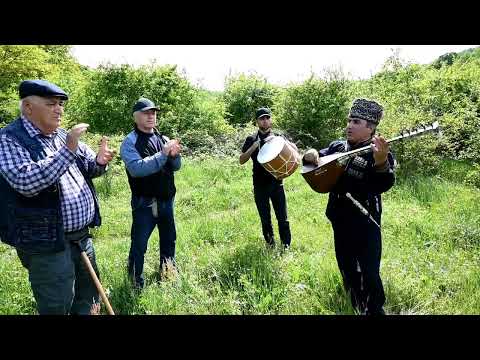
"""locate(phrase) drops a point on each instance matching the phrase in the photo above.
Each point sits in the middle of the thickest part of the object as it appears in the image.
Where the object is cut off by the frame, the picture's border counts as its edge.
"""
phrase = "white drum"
(279, 158)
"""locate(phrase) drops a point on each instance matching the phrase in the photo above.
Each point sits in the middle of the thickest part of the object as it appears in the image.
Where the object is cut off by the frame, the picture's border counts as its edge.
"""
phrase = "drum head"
(270, 150)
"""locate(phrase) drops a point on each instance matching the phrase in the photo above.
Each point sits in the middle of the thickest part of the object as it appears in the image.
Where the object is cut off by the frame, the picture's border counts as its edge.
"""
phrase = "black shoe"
(270, 245)
(379, 312)
(270, 240)
(168, 270)
(138, 286)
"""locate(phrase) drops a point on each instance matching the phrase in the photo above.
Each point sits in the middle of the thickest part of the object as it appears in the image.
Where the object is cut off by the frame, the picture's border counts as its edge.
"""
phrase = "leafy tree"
(112, 91)
(244, 94)
(17, 63)
(49, 62)
(314, 111)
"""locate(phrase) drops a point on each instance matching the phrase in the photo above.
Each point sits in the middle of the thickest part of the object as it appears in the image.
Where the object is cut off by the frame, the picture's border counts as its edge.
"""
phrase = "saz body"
(323, 177)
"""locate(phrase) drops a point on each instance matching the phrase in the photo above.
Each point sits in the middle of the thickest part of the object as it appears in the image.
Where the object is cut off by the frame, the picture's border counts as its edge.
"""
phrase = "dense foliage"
(244, 94)
(312, 113)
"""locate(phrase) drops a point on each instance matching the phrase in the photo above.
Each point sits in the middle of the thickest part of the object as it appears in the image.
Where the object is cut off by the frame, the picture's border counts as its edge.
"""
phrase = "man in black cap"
(49, 201)
(265, 186)
(150, 159)
(358, 242)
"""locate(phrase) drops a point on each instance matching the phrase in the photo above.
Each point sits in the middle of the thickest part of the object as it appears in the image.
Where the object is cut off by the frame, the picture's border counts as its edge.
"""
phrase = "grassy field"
(430, 262)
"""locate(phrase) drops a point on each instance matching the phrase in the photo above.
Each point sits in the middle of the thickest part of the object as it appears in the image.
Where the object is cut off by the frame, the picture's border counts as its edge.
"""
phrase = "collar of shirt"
(349, 146)
(33, 131)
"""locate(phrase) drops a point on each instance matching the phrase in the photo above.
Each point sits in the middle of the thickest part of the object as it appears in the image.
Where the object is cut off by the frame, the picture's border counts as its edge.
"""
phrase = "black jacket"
(361, 180)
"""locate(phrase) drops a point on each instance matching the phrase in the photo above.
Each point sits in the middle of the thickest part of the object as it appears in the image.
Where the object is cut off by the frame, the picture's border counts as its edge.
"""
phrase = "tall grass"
(431, 234)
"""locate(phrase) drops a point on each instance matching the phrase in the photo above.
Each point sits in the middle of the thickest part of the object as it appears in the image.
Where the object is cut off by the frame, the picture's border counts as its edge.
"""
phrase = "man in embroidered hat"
(49, 201)
(358, 242)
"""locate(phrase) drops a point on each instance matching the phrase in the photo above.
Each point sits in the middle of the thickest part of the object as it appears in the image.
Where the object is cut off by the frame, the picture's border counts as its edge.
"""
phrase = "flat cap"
(40, 88)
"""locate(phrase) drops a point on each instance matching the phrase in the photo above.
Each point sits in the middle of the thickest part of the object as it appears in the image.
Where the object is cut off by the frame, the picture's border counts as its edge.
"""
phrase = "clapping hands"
(172, 148)
(104, 155)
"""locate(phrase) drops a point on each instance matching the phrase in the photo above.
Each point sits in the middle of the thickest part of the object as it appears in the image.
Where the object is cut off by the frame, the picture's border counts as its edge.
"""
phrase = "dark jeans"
(142, 227)
(358, 249)
(274, 192)
(60, 281)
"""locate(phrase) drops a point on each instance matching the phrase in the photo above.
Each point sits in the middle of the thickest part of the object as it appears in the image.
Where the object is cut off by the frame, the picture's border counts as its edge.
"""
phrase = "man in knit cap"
(358, 242)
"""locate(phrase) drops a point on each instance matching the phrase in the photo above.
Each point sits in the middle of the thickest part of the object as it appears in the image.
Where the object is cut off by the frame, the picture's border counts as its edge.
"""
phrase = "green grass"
(431, 243)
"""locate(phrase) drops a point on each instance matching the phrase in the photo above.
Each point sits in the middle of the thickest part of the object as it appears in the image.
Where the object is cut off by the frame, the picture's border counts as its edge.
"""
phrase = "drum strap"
(258, 136)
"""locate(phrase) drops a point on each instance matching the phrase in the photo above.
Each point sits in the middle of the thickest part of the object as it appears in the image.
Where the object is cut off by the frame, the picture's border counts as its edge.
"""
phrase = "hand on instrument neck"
(380, 149)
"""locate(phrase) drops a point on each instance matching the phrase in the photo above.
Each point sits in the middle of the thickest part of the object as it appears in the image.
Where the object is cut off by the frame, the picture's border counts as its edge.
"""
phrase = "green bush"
(200, 144)
(113, 90)
(315, 111)
(244, 94)
(419, 94)
(22, 62)
(473, 177)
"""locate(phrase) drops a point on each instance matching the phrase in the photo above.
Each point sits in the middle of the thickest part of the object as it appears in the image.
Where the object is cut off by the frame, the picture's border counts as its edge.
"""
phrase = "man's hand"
(246, 155)
(171, 148)
(175, 148)
(311, 156)
(167, 147)
(104, 155)
(380, 150)
(74, 134)
(255, 145)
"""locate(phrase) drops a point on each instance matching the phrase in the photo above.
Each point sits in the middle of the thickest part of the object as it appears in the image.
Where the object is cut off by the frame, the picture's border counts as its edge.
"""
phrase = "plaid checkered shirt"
(29, 178)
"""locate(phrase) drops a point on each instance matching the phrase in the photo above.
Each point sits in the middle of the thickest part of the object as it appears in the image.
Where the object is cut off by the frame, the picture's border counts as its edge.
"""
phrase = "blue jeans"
(60, 281)
(142, 227)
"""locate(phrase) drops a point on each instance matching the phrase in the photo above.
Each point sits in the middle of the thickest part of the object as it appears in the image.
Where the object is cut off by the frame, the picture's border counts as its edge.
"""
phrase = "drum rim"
(309, 168)
(276, 139)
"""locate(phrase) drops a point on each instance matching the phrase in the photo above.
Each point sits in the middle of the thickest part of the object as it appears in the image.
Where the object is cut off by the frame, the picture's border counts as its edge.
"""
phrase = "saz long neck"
(405, 135)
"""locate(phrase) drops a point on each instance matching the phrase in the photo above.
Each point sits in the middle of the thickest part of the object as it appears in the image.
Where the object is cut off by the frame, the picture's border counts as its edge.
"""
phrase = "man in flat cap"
(49, 201)
(357, 237)
(266, 187)
(150, 160)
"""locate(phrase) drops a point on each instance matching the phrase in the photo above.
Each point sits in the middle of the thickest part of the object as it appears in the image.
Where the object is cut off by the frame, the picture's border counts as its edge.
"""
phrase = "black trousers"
(275, 193)
(358, 249)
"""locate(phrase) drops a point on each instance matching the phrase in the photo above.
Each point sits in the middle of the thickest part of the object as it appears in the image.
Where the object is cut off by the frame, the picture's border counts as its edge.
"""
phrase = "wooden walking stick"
(89, 266)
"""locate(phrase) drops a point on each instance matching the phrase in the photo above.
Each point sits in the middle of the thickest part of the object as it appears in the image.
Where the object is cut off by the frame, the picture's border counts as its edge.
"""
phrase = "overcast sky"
(208, 65)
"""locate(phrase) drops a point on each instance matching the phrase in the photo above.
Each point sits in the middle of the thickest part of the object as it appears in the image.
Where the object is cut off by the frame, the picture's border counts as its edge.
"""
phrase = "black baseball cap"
(144, 104)
(262, 111)
(40, 88)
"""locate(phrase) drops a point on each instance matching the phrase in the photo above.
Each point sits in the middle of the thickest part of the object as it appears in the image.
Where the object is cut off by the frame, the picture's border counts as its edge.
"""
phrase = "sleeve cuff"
(67, 154)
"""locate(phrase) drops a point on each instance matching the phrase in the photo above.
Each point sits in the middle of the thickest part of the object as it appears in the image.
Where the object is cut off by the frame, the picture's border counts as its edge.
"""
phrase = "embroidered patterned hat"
(366, 109)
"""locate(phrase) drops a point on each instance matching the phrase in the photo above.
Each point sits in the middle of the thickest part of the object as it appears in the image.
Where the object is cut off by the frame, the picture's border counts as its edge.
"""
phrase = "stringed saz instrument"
(323, 177)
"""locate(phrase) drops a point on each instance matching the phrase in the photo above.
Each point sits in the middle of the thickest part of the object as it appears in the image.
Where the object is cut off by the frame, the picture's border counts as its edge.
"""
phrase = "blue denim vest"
(34, 224)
